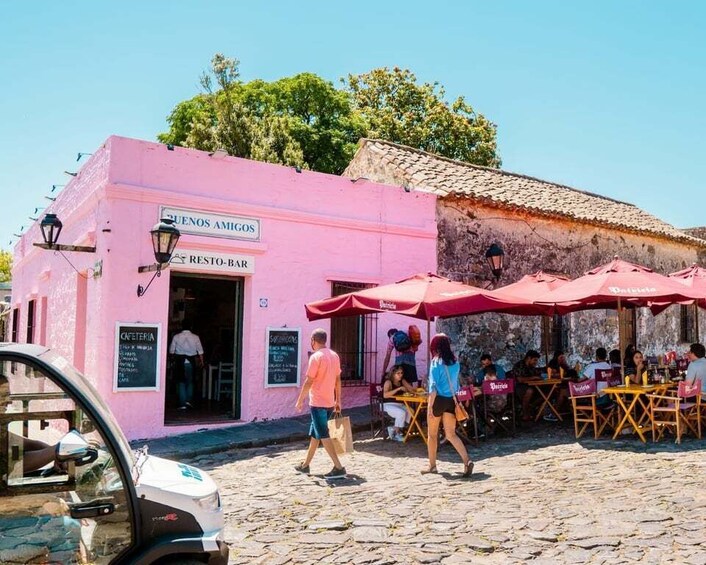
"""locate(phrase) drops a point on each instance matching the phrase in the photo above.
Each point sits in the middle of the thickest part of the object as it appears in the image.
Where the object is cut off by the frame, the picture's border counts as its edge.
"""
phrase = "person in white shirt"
(187, 352)
(697, 365)
(601, 362)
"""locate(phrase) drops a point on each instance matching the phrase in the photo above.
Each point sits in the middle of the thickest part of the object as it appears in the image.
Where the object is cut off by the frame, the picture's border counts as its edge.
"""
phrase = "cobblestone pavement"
(541, 497)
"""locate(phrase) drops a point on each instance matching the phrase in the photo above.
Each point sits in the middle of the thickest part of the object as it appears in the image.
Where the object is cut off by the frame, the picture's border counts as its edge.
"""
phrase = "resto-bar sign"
(197, 260)
(212, 224)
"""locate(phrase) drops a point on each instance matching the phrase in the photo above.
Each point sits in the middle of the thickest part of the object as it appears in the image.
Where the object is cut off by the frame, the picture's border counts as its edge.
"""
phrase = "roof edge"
(364, 140)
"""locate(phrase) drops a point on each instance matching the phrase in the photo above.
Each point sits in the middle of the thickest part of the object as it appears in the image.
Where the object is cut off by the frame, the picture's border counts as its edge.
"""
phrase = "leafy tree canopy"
(399, 109)
(5, 266)
(305, 121)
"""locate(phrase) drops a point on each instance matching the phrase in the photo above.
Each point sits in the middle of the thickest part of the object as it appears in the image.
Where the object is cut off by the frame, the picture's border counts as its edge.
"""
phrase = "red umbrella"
(694, 277)
(615, 285)
(423, 296)
(618, 283)
(534, 287)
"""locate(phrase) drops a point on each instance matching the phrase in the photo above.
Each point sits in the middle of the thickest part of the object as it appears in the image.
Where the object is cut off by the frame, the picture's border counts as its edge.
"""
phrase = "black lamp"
(495, 257)
(164, 239)
(51, 228)
(165, 236)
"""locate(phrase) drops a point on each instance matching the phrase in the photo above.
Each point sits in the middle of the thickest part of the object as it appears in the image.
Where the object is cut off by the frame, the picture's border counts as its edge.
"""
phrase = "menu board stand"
(282, 357)
(137, 357)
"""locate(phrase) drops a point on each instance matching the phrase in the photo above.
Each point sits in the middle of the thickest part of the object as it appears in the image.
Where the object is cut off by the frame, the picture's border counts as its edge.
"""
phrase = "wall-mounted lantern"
(165, 236)
(495, 257)
(51, 229)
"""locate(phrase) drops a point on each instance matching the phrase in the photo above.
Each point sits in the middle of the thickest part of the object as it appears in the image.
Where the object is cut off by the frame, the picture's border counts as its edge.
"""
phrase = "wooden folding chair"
(677, 413)
(377, 414)
(583, 400)
(507, 416)
(606, 378)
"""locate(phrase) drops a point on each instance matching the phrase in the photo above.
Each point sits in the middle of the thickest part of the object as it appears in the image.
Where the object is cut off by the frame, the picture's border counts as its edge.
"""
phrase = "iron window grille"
(689, 328)
(354, 338)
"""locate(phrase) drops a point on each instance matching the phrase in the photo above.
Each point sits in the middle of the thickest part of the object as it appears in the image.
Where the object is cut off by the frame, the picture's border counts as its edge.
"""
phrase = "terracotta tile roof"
(386, 162)
(699, 232)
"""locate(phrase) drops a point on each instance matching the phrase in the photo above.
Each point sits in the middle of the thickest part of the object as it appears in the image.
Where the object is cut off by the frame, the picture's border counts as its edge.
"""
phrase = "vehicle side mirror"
(73, 447)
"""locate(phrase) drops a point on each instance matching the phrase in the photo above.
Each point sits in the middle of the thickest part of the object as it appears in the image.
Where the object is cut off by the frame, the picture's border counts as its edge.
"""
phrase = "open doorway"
(213, 307)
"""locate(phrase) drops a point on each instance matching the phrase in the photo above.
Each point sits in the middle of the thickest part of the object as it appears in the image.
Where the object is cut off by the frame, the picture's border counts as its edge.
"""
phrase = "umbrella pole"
(428, 344)
(545, 339)
(620, 343)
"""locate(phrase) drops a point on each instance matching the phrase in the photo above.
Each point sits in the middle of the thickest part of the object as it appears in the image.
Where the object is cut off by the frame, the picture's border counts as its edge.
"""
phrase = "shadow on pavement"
(351, 480)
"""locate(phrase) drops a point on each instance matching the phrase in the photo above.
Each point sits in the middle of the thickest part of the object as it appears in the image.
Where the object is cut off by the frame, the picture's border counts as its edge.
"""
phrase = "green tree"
(399, 109)
(301, 120)
(5, 266)
(305, 121)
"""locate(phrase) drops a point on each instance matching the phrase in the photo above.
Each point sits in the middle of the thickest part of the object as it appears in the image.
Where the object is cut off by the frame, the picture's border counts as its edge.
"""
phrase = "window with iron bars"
(555, 333)
(689, 327)
(354, 338)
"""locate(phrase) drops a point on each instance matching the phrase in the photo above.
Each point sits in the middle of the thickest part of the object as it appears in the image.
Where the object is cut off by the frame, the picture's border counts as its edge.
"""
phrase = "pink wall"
(315, 228)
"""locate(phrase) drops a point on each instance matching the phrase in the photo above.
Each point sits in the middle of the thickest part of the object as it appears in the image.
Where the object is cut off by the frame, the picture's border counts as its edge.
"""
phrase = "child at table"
(394, 385)
(495, 403)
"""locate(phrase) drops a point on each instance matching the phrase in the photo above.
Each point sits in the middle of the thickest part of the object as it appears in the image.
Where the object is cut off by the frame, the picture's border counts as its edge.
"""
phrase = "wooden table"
(414, 404)
(629, 408)
(541, 385)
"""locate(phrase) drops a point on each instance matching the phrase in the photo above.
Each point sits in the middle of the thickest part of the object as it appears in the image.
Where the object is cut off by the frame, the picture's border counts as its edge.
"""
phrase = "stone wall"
(532, 243)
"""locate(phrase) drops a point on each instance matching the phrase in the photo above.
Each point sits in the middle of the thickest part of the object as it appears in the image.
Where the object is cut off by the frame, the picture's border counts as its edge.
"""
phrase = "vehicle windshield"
(93, 398)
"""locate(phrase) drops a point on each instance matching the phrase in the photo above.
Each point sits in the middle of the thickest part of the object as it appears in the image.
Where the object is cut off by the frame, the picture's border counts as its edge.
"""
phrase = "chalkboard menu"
(136, 357)
(282, 357)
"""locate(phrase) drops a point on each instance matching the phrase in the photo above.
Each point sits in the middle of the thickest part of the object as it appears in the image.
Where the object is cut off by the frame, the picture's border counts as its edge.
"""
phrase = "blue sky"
(606, 96)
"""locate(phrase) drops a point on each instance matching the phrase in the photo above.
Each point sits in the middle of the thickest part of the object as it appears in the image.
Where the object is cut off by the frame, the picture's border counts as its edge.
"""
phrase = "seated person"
(558, 364)
(635, 366)
(36, 454)
(525, 370)
(494, 404)
(697, 365)
(393, 385)
(614, 358)
(497, 402)
(485, 361)
(601, 363)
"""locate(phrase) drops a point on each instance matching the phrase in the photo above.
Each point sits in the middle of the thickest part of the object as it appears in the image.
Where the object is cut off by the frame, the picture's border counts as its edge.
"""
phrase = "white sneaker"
(398, 437)
(391, 432)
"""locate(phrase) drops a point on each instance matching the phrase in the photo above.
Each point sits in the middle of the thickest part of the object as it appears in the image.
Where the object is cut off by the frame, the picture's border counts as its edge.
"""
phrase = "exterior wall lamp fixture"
(495, 257)
(51, 228)
(165, 236)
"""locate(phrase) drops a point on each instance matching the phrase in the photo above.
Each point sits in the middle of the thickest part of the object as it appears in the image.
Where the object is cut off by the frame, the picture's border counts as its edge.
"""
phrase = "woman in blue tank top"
(443, 385)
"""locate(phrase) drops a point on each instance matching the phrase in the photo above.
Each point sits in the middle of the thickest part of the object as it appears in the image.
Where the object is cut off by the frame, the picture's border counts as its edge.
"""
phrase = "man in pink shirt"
(323, 385)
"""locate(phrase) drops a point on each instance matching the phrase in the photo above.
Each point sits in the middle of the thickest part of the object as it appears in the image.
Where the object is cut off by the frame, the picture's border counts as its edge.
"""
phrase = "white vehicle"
(73, 491)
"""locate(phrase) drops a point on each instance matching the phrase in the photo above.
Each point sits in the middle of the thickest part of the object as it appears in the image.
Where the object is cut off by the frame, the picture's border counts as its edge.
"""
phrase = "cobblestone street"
(539, 497)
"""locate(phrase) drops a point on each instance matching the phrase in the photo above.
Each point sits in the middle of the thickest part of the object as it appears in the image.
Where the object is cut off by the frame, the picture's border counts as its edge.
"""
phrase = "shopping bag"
(339, 429)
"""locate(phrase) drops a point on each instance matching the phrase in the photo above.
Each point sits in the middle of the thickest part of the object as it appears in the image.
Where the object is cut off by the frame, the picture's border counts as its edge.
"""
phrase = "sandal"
(467, 470)
(429, 471)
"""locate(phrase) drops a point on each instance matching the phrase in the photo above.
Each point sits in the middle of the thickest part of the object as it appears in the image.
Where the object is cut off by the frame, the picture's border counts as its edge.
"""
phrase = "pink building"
(258, 241)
